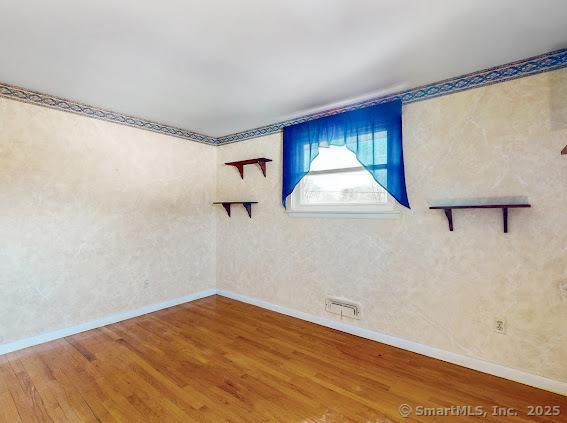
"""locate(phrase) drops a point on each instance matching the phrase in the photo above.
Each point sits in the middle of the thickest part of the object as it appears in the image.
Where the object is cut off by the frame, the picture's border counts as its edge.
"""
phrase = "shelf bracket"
(240, 168)
(248, 207)
(449, 214)
(505, 219)
(246, 204)
(227, 208)
(262, 167)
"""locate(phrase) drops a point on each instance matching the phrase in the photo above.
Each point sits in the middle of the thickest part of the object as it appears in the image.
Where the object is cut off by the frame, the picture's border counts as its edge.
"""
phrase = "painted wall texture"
(97, 218)
(414, 278)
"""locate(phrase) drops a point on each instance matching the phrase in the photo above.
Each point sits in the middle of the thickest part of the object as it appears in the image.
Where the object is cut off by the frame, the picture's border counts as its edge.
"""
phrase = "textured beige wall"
(414, 278)
(97, 218)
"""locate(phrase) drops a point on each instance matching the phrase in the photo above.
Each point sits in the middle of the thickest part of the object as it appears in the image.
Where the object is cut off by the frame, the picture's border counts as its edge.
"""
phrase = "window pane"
(338, 179)
(334, 158)
(374, 148)
(355, 187)
(380, 148)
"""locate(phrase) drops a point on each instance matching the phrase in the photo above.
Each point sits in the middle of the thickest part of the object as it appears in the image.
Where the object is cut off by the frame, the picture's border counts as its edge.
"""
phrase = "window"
(373, 133)
(339, 186)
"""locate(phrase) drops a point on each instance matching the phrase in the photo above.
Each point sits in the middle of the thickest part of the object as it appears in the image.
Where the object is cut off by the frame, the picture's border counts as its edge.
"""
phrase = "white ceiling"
(221, 66)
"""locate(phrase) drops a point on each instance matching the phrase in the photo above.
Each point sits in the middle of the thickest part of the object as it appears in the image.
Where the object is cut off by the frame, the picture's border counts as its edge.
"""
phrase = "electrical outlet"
(500, 326)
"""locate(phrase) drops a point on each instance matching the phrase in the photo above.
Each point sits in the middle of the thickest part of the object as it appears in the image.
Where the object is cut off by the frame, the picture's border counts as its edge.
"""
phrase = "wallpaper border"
(58, 103)
(521, 68)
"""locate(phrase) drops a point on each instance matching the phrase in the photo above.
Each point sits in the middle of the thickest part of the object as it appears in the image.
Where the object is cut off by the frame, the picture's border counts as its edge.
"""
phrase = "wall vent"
(343, 308)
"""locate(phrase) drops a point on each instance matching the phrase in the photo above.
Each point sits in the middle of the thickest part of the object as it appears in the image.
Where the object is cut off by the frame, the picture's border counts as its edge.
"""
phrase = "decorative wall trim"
(93, 324)
(58, 103)
(526, 67)
(450, 357)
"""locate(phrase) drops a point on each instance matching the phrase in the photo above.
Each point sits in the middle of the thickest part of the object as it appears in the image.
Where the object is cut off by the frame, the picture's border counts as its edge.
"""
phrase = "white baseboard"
(450, 357)
(93, 324)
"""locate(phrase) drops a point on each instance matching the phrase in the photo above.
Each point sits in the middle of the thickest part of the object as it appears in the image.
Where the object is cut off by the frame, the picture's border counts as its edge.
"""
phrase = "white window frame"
(340, 211)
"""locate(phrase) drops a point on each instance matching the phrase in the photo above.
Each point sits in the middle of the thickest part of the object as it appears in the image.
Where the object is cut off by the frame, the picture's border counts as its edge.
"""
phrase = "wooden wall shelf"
(564, 151)
(260, 161)
(449, 211)
(247, 205)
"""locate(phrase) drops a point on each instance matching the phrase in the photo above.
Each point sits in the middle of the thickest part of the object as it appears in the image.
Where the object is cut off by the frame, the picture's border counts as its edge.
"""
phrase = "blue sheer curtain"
(373, 134)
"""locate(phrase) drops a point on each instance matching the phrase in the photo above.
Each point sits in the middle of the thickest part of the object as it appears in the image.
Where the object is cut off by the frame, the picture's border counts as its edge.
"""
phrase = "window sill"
(393, 214)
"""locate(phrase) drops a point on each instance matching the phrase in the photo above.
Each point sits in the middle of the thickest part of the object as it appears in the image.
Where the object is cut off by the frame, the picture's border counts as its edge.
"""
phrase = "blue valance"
(373, 134)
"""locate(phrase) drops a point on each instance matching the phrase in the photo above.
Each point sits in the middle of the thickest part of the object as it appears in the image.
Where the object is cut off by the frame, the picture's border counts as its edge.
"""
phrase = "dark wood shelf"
(246, 204)
(260, 161)
(564, 151)
(449, 211)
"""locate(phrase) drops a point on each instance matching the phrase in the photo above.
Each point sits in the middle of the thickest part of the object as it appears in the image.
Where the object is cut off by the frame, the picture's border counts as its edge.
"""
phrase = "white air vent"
(343, 308)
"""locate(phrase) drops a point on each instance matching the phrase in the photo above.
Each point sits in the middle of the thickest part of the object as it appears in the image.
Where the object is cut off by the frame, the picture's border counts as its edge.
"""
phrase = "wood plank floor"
(216, 360)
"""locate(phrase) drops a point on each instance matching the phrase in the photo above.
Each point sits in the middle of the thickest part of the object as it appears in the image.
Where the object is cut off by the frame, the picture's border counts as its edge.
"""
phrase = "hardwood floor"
(216, 360)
